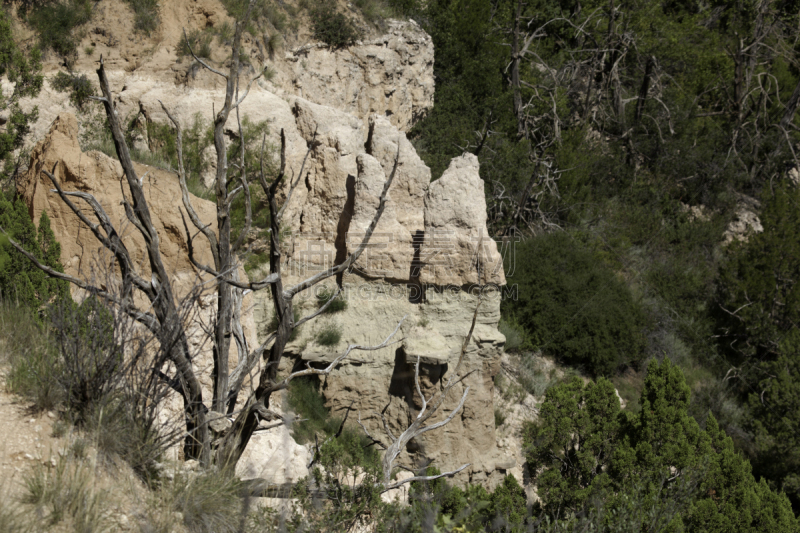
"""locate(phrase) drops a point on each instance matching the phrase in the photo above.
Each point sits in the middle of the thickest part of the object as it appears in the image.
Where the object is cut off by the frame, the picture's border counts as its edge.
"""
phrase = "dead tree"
(162, 316)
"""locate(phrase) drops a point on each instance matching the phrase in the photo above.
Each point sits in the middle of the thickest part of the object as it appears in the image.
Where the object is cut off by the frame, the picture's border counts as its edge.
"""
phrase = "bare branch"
(320, 310)
(248, 208)
(206, 65)
(247, 90)
(402, 482)
(185, 195)
(310, 282)
(111, 240)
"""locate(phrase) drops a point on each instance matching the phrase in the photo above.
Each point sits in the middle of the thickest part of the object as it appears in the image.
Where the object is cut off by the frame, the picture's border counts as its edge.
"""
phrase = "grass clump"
(32, 359)
(65, 493)
(197, 41)
(514, 333)
(73, 360)
(499, 417)
(209, 502)
(57, 24)
(324, 295)
(329, 335)
(145, 15)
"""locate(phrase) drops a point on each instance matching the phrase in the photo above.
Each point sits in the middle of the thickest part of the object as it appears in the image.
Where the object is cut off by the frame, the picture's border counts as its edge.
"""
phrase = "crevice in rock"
(402, 382)
(416, 295)
(370, 133)
(343, 225)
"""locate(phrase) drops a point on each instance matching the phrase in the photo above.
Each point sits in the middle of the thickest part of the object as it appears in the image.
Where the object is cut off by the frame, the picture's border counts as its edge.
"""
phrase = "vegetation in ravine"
(617, 141)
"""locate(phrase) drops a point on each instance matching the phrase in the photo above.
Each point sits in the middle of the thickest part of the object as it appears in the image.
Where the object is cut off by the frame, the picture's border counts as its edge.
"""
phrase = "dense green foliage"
(57, 22)
(79, 87)
(585, 448)
(758, 303)
(23, 69)
(333, 27)
(20, 281)
(574, 306)
(639, 128)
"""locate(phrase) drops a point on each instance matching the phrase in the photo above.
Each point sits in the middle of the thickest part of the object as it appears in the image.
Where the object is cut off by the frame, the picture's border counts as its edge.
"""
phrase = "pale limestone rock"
(745, 221)
(455, 230)
(400, 494)
(390, 74)
(393, 252)
(318, 213)
(412, 177)
(368, 381)
(84, 257)
(429, 346)
(390, 252)
(274, 456)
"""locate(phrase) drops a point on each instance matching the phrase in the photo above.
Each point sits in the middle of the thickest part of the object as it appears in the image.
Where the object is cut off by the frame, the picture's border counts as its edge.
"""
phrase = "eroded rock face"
(347, 110)
(456, 239)
(84, 257)
(102, 176)
(390, 74)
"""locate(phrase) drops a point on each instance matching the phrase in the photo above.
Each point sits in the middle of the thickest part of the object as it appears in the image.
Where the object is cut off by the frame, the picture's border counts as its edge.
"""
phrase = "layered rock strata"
(429, 264)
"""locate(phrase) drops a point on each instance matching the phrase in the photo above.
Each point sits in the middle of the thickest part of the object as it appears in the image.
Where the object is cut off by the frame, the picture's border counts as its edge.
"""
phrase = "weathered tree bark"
(171, 333)
(644, 89)
(516, 58)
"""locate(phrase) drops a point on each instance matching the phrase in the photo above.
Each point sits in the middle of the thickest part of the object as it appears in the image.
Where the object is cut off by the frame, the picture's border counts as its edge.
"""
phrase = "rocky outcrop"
(347, 110)
(84, 257)
(389, 74)
(745, 221)
(456, 239)
(100, 175)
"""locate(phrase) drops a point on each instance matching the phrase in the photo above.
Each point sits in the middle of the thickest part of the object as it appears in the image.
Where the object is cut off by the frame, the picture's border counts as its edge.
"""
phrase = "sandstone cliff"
(349, 108)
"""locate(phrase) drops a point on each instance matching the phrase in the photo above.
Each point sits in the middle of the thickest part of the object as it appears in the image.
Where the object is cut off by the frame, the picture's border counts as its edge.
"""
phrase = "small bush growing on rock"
(333, 28)
(274, 323)
(78, 86)
(514, 333)
(195, 41)
(375, 11)
(209, 502)
(145, 14)
(499, 417)
(57, 24)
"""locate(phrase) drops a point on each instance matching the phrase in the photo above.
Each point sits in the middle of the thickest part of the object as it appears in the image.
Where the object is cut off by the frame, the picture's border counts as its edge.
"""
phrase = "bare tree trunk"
(644, 89)
(172, 334)
(516, 58)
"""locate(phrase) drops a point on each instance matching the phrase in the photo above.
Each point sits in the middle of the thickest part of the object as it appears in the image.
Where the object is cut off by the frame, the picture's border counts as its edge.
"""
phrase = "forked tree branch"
(205, 229)
(352, 258)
